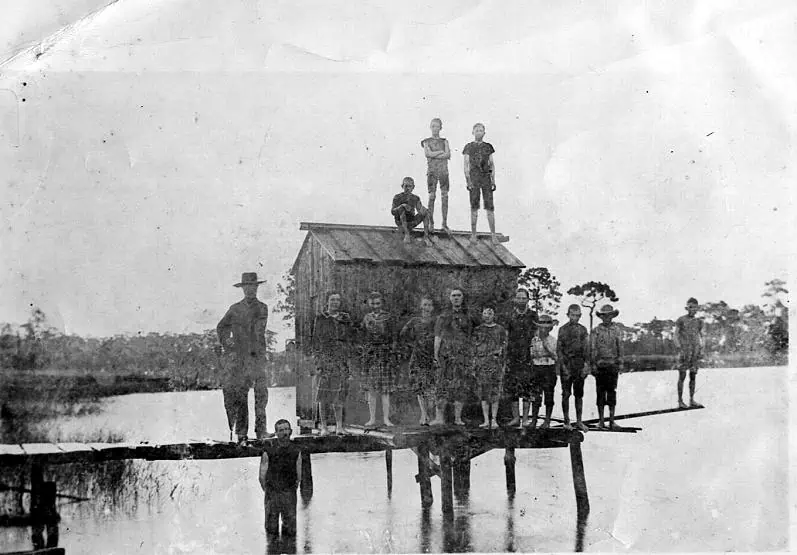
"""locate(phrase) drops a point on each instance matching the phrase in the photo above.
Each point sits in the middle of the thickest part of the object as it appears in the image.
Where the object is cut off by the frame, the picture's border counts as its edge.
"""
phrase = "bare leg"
(535, 413)
(494, 409)
(386, 409)
(427, 227)
(600, 416)
(474, 216)
(458, 406)
(431, 208)
(525, 421)
(579, 411)
(338, 418)
(322, 417)
(444, 207)
(611, 416)
(439, 416)
(548, 413)
(692, 380)
(424, 414)
(404, 227)
(515, 413)
(491, 221)
(486, 414)
(566, 411)
(681, 378)
(372, 398)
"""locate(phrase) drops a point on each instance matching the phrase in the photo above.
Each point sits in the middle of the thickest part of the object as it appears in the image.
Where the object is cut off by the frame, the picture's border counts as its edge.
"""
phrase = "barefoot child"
(437, 155)
(521, 327)
(543, 373)
(452, 335)
(419, 332)
(689, 341)
(489, 344)
(606, 351)
(480, 179)
(408, 211)
(572, 349)
(379, 366)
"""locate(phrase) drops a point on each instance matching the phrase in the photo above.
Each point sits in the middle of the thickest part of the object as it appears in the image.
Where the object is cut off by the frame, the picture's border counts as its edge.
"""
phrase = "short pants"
(481, 185)
(689, 359)
(431, 182)
(412, 221)
(543, 382)
(573, 384)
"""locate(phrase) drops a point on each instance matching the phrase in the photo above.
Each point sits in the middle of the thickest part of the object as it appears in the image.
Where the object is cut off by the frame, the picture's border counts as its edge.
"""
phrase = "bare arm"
(263, 470)
(299, 469)
(491, 165)
(467, 169)
(437, 341)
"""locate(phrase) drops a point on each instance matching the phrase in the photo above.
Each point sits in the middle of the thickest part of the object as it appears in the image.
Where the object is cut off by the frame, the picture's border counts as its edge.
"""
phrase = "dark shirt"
(521, 328)
(282, 474)
(573, 342)
(479, 156)
(243, 327)
(331, 333)
(436, 166)
(455, 325)
(413, 201)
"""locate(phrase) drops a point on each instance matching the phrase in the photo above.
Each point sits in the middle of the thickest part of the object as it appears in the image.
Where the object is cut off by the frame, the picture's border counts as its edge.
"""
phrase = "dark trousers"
(606, 385)
(281, 504)
(237, 407)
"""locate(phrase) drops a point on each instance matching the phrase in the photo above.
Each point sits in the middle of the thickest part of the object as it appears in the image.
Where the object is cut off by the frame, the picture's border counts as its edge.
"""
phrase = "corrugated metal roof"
(384, 245)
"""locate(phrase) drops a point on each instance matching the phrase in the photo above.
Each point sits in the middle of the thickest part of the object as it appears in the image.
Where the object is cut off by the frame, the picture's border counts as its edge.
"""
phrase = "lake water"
(708, 480)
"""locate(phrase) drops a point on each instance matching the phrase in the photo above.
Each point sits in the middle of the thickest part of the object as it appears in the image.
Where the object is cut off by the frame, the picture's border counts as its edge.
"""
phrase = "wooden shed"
(354, 260)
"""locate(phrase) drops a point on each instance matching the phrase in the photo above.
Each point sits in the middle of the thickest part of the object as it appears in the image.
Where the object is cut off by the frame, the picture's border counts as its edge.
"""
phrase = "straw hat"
(545, 321)
(249, 278)
(608, 310)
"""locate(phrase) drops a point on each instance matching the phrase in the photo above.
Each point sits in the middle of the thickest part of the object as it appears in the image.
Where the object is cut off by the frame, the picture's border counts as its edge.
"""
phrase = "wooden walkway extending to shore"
(452, 446)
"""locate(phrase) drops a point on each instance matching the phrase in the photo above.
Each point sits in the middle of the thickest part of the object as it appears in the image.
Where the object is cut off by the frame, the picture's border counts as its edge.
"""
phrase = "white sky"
(162, 148)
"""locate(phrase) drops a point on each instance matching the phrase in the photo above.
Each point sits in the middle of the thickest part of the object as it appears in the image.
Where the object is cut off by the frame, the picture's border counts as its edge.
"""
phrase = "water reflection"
(456, 533)
(277, 544)
(581, 531)
(509, 538)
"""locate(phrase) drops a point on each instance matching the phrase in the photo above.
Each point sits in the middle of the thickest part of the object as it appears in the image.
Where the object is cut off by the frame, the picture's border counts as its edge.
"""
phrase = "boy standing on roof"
(408, 211)
(480, 179)
(437, 154)
(689, 341)
(606, 351)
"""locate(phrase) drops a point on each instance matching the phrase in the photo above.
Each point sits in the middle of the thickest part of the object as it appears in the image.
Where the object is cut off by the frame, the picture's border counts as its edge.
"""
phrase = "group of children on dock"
(457, 354)
(479, 167)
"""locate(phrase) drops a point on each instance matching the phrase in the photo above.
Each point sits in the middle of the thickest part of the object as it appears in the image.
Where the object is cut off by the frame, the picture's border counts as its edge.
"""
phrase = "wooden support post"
(422, 478)
(306, 485)
(579, 480)
(446, 483)
(509, 467)
(461, 469)
(389, 469)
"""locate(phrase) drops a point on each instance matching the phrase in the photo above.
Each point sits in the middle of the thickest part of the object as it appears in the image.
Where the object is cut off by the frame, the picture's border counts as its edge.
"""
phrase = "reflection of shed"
(354, 260)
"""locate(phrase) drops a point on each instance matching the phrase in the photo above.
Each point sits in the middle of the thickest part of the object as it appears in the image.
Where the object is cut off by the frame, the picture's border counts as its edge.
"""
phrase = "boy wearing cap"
(242, 334)
(606, 352)
(572, 363)
(480, 179)
(689, 341)
(437, 155)
(543, 371)
(408, 211)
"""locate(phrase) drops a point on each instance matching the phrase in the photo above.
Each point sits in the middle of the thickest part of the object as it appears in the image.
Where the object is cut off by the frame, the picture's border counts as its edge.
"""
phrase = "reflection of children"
(419, 331)
(489, 343)
(689, 341)
(606, 351)
(480, 179)
(572, 349)
(379, 366)
(437, 155)
(543, 370)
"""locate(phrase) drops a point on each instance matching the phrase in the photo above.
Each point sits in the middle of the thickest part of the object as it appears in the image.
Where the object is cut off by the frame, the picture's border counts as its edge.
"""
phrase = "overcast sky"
(156, 150)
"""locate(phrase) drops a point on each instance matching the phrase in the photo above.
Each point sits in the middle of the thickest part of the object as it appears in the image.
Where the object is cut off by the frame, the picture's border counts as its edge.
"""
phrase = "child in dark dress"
(419, 333)
(489, 344)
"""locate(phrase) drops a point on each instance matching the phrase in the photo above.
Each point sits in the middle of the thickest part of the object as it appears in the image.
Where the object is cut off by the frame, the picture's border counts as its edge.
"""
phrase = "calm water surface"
(710, 480)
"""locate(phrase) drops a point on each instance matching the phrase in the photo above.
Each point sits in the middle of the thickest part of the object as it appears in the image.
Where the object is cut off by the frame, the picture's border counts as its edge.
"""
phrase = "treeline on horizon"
(751, 335)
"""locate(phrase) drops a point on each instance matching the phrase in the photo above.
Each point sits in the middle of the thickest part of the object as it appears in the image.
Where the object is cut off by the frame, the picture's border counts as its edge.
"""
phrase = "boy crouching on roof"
(572, 363)
(606, 352)
(408, 211)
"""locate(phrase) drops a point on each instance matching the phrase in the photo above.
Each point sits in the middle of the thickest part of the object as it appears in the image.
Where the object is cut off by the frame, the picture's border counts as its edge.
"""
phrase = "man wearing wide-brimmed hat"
(242, 333)
(689, 342)
(606, 351)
